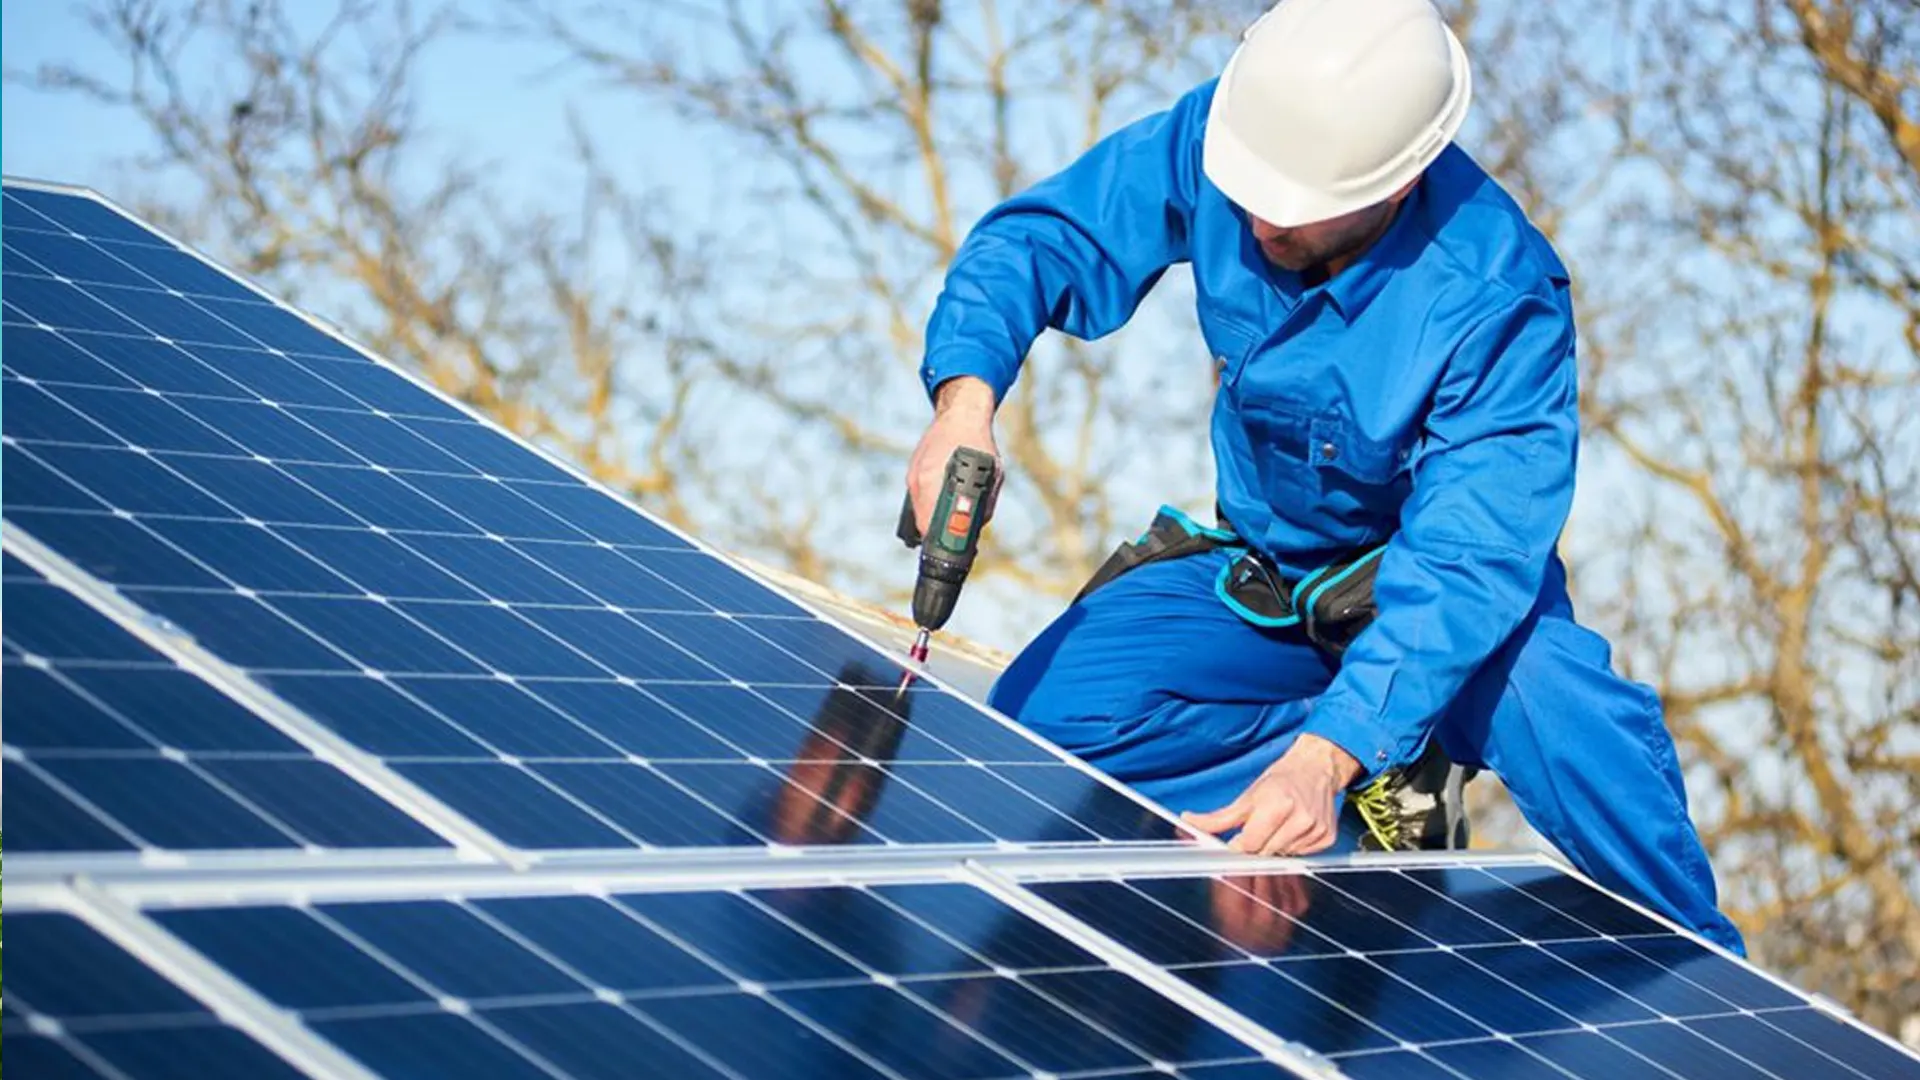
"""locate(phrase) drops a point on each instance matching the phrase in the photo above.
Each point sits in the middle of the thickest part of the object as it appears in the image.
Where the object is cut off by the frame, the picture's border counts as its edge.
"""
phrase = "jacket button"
(1329, 451)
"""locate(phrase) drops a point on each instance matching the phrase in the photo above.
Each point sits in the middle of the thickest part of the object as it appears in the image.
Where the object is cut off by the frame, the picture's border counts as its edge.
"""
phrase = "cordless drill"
(953, 539)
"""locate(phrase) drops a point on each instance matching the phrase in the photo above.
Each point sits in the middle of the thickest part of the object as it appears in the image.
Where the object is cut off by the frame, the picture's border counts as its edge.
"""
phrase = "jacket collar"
(1352, 289)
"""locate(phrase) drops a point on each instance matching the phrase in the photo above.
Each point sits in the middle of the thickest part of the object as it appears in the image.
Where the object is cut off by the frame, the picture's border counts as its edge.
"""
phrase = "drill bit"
(917, 652)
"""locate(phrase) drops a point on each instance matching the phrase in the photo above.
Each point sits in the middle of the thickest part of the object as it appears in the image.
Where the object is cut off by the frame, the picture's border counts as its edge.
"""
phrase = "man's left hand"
(1290, 809)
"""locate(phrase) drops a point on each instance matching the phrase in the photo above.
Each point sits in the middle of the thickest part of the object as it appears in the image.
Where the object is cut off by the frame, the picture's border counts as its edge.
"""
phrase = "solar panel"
(893, 979)
(355, 738)
(559, 670)
(78, 1005)
(1470, 970)
(112, 747)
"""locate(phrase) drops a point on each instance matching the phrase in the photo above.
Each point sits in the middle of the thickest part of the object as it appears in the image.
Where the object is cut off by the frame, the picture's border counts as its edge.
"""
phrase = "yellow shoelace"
(1380, 811)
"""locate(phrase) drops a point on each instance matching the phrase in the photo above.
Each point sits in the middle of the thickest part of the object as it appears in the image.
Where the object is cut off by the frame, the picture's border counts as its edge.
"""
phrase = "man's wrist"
(1344, 767)
(964, 393)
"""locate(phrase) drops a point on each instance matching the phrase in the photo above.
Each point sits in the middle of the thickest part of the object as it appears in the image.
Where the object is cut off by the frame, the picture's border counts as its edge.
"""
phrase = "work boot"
(1417, 807)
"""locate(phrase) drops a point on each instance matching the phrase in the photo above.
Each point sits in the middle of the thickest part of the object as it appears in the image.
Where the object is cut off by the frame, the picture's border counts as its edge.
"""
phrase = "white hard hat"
(1330, 106)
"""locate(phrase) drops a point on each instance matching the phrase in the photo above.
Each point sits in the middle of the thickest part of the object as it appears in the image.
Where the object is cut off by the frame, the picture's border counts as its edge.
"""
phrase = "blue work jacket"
(1426, 395)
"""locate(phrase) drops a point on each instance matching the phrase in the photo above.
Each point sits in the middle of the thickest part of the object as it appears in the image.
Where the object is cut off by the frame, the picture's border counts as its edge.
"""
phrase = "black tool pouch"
(1172, 535)
(1336, 601)
(1332, 605)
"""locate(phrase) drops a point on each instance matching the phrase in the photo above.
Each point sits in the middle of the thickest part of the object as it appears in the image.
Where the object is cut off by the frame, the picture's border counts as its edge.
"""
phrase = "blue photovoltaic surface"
(936, 980)
(570, 674)
(1490, 972)
(78, 1006)
(111, 747)
(555, 666)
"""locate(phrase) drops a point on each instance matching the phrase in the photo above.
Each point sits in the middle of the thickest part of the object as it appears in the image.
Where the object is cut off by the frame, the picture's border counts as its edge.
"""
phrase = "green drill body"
(952, 540)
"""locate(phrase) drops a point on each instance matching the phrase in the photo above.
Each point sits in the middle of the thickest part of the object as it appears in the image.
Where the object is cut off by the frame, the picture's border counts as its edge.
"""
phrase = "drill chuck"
(934, 598)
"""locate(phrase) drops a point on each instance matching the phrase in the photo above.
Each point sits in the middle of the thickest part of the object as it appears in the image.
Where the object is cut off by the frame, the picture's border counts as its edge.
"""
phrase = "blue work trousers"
(1155, 682)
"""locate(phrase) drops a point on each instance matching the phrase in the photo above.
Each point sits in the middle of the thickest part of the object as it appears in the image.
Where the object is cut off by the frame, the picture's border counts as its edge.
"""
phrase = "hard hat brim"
(1261, 189)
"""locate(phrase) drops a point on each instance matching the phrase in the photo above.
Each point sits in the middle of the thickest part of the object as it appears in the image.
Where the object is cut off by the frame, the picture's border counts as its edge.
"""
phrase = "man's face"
(1321, 242)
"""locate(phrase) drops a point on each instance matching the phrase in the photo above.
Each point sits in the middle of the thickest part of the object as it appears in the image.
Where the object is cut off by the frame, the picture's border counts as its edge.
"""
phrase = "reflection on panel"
(802, 981)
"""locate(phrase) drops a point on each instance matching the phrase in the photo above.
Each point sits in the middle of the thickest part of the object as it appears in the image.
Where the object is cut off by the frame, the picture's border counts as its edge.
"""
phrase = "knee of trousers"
(1562, 686)
(1164, 739)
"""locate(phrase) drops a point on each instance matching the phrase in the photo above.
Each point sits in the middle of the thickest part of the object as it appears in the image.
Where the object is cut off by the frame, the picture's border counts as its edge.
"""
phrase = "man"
(1394, 346)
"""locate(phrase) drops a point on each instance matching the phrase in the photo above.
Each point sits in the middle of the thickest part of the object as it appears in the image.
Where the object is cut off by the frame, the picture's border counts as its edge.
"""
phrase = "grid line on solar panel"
(113, 747)
(350, 557)
(837, 980)
(81, 1003)
(1428, 966)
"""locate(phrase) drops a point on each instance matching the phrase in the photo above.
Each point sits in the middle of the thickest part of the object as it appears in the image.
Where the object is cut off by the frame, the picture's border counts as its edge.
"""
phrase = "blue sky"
(485, 93)
(506, 101)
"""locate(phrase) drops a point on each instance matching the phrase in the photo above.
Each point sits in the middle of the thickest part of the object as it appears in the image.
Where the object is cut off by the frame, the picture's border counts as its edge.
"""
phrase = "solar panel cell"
(1588, 1055)
(507, 642)
(371, 386)
(115, 550)
(1577, 900)
(54, 303)
(175, 269)
(166, 803)
(1159, 1028)
(900, 1034)
(1684, 1053)
(429, 1044)
(381, 499)
(1289, 1007)
(1862, 1052)
(632, 720)
(175, 709)
(595, 516)
(54, 625)
(30, 252)
(782, 1047)
(47, 819)
(496, 507)
(1031, 1029)
(80, 1006)
(29, 483)
(43, 418)
(154, 364)
(174, 318)
(242, 631)
(644, 804)
(45, 355)
(319, 804)
(42, 713)
(267, 431)
(47, 211)
(254, 489)
(188, 1053)
(511, 803)
(279, 329)
(1566, 988)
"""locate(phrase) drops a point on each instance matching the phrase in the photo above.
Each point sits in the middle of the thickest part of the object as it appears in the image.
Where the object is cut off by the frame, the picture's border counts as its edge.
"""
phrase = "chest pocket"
(1334, 446)
(1323, 472)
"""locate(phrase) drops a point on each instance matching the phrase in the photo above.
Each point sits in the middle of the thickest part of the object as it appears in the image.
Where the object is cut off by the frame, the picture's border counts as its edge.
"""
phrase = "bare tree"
(299, 156)
(878, 130)
(1765, 408)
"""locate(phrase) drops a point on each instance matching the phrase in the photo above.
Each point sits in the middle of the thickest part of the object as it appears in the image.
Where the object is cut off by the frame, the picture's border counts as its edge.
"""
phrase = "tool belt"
(1331, 605)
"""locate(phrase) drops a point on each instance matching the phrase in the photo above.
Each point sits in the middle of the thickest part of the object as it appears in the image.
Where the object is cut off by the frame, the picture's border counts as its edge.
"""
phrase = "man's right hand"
(962, 416)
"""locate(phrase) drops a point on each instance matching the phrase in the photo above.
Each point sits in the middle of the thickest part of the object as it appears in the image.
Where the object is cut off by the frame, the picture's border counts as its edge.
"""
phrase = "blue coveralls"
(1426, 396)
